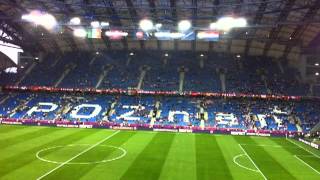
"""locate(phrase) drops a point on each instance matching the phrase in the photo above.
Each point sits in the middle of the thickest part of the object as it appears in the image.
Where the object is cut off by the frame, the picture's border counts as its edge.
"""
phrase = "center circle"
(121, 153)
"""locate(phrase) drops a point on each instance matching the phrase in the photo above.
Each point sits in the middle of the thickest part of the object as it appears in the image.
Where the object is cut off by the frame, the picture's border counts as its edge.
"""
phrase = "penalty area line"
(303, 148)
(245, 152)
(77, 155)
(307, 164)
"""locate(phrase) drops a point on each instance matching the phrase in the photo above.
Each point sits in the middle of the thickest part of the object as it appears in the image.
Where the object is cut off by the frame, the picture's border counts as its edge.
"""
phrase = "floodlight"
(225, 23)
(32, 16)
(26, 17)
(317, 74)
(213, 25)
(316, 64)
(46, 20)
(184, 25)
(95, 24)
(146, 25)
(240, 22)
(158, 25)
(75, 21)
(80, 32)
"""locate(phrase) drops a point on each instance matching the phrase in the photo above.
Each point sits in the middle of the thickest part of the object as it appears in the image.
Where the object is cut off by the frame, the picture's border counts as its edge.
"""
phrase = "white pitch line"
(240, 165)
(307, 164)
(264, 177)
(265, 145)
(79, 154)
(303, 148)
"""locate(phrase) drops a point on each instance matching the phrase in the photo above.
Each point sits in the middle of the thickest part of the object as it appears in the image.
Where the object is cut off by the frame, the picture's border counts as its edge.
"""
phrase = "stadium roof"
(277, 28)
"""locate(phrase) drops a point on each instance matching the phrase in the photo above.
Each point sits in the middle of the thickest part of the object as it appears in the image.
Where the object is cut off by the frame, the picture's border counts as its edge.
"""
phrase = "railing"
(156, 93)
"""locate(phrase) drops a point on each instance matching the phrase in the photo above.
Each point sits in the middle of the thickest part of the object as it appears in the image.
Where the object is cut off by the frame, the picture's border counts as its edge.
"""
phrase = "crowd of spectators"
(208, 73)
(246, 113)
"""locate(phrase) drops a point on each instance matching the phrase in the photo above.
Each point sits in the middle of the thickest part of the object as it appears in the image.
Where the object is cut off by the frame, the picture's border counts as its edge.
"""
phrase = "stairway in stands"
(109, 112)
(68, 68)
(143, 72)
(22, 104)
(182, 72)
(26, 73)
(103, 75)
(202, 115)
(154, 114)
(222, 76)
(4, 99)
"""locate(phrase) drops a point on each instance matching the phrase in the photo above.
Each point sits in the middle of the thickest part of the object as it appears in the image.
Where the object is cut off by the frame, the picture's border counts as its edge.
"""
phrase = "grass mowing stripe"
(77, 155)
(210, 160)
(21, 159)
(305, 149)
(27, 136)
(237, 162)
(115, 169)
(301, 154)
(266, 163)
(78, 171)
(307, 164)
(180, 163)
(36, 168)
(150, 161)
(10, 128)
(19, 132)
(245, 152)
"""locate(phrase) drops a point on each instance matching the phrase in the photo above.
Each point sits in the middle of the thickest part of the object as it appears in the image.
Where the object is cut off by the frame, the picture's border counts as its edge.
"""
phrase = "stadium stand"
(183, 71)
(170, 111)
(178, 72)
(160, 89)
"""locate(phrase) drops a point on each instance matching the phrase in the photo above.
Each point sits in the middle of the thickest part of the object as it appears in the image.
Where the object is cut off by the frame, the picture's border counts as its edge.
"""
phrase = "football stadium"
(160, 89)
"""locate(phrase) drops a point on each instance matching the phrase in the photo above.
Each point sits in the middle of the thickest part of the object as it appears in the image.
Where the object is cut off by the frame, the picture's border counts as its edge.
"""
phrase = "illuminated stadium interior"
(160, 89)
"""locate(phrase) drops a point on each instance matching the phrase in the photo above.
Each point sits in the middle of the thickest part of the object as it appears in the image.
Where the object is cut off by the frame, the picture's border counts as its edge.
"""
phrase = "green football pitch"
(62, 153)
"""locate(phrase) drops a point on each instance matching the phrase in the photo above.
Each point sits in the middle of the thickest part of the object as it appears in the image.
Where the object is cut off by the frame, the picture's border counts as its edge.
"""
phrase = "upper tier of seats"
(180, 71)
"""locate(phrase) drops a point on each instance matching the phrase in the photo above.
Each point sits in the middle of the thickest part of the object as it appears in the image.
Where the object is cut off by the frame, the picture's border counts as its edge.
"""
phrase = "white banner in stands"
(95, 112)
(39, 109)
(173, 113)
(226, 118)
(129, 116)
